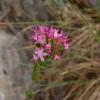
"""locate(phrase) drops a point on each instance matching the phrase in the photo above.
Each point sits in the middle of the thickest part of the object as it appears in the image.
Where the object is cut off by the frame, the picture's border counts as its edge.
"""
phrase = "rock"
(15, 69)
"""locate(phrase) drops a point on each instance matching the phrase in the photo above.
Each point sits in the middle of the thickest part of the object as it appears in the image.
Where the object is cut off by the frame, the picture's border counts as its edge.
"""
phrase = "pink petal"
(66, 45)
(35, 57)
(42, 58)
(56, 57)
(48, 46)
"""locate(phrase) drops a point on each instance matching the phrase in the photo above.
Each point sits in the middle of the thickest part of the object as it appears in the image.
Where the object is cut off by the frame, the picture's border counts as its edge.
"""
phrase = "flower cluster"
(49, 42)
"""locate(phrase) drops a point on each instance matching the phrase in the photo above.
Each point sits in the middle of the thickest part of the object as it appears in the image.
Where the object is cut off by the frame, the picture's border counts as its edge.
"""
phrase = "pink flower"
(66, 45)
(42, 29)
(49, 42)
(56, 47)
(41, 39)
(34, 37)
(34, 59)
(49, 52)
(38, 38)
(56, 34)
(48, 46)
(56, 57)
(40, 54)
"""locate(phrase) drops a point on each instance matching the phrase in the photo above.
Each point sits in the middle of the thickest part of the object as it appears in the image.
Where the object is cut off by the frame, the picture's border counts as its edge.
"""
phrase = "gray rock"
(15, 69)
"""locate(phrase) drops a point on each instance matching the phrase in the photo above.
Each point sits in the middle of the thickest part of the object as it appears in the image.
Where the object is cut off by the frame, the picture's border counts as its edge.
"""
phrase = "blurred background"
(76, 76)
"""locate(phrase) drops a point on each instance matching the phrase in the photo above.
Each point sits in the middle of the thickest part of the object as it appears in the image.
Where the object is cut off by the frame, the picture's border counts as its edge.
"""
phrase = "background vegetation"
(77, 75)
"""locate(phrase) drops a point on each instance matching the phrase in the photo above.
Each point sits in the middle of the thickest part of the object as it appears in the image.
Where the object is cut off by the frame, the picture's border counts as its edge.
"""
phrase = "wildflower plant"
(50, 43)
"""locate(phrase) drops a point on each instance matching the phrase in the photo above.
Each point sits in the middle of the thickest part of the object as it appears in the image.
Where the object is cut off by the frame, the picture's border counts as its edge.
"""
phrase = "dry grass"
(77, 75)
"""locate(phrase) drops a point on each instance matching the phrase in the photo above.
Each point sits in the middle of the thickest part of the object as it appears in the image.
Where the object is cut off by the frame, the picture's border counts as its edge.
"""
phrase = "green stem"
(36, 72)
(52, 46)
